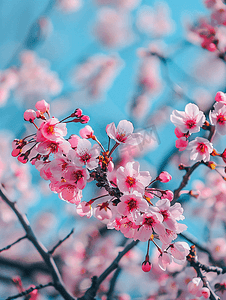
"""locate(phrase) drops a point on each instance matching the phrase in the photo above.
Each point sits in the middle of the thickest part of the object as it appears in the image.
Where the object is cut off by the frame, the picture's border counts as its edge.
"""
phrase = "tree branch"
(48, 259)
(91, 292)
(17, 241)
(61, 241)
(113, 282)
(31, 289)
(185, 180)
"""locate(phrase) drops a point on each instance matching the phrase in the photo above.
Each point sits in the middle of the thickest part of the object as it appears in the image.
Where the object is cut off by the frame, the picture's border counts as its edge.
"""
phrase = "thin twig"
(61, 241)
(17, 241)
(185, 180)
(31, 289)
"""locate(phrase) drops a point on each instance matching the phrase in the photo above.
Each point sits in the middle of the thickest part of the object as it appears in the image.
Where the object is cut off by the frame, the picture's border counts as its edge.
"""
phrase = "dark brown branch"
(48, 259)
(61, 241)
(185, 180)
(91, 292)
(17, 241)
(113, 282)
(31, 289)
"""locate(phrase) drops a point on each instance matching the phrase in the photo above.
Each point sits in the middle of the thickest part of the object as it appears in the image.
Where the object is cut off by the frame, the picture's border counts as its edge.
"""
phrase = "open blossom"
(218, 117)
(86, 132)
(86, 154)
(123, 133)
(150, 221)
(200, 149)
(77, 176)
(51, 130)
(130, 178)
(189, 120)
(131, 203)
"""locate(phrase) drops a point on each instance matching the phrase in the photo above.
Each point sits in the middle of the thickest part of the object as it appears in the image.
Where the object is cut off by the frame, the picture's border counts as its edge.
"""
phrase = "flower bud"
(164, 177)
(29, 115)
(146, 266)
(42, 106)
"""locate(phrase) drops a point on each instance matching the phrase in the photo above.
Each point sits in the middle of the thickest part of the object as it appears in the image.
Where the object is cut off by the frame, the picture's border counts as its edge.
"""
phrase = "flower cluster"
(191, 120)
(70, 163)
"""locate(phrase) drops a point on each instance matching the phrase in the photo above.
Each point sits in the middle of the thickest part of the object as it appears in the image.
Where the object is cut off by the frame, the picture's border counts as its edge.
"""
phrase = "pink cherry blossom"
(123, 133)
(128, 227)
(86, 154)
(218, 117)
(151, 220)
(51, 130)
(103, 212)
(195, 285)
(86, 132)
(191, 120)
(77, 176)
(71, 194)
(200, 149)
(47, 147)
(164, 260)
(130, 203)
(73, 140)
(84, 209)
(220, 97)
(130, 178)
(179, 251)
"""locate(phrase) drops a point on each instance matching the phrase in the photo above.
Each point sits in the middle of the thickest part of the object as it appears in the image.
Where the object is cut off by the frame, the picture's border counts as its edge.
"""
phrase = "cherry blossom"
(86, 154)
(218, 117)
(129, 178)
(191, 120)
(123, 133)
(200, 149)
(131, 203)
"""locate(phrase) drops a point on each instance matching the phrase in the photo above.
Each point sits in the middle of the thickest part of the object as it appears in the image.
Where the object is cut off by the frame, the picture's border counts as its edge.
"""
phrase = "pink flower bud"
(220, 97)
(85, 119)
(211, 47)
(77, 113)
(205, 292)
(164, 177)
(38, 114)
(178, 133)
(16, 152)
(23, 158)
(181, 143)
(146, 266)
(43, 106)
(86, 132)
(29, 115)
